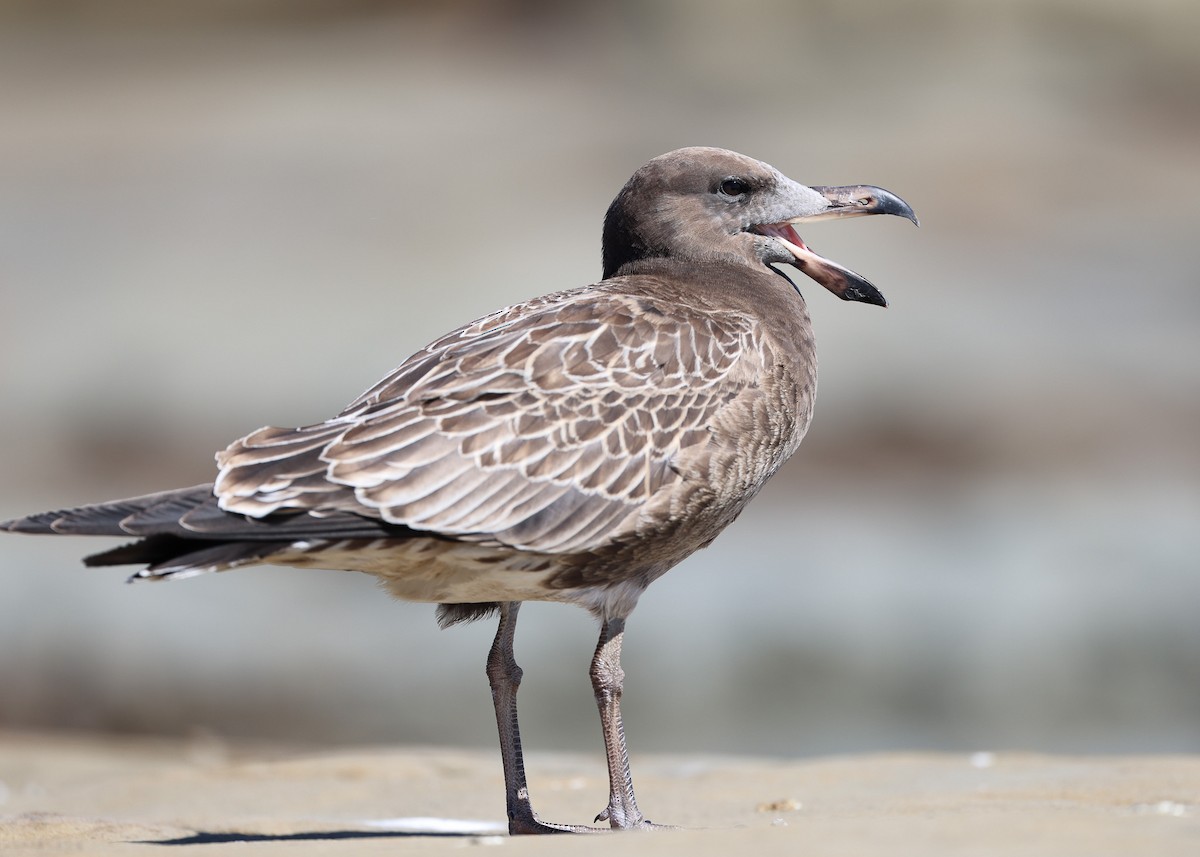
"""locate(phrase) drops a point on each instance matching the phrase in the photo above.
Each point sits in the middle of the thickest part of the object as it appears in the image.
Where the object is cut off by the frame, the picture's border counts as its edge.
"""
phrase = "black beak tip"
(864, 292)
(889, 203)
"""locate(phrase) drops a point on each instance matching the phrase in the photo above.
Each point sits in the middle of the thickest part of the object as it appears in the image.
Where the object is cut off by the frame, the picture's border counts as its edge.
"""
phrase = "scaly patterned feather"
(546, 426)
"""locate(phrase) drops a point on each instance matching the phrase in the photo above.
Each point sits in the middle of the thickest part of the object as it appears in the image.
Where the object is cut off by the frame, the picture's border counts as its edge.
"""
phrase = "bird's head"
(702, 203)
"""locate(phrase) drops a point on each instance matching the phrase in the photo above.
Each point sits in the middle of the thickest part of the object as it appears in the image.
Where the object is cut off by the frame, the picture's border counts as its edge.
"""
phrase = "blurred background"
(218, 215)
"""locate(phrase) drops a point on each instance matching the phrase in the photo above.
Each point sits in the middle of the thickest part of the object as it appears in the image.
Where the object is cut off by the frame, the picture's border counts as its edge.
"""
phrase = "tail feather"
(185, 532)
(193, 513)
(109, 519)
(170, 557)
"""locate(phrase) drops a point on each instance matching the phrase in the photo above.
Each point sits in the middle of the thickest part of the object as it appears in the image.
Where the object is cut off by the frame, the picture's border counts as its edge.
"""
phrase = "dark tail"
(146, 515)
(184, 532)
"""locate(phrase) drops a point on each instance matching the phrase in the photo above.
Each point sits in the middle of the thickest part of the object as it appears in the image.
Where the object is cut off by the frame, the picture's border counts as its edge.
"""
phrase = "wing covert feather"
(546, 426)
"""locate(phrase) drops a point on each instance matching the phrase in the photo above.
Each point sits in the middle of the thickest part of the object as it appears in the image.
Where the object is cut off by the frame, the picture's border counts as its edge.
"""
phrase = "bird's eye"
(733, 186)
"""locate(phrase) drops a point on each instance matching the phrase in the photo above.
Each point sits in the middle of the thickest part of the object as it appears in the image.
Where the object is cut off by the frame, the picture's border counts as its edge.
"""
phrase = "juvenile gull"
(570, 448)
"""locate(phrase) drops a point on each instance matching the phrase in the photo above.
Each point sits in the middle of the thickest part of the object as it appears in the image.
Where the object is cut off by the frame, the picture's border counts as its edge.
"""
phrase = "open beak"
(849, 201)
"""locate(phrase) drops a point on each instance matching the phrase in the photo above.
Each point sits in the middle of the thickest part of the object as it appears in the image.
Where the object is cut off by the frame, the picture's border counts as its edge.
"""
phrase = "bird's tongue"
(843, 282)
(785, 231)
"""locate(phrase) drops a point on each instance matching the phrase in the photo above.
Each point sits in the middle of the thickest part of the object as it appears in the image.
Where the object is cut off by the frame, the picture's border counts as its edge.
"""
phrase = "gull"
(571, 448)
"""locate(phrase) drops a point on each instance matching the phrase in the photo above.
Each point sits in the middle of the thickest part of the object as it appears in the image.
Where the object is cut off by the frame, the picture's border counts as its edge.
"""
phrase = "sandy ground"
(84, 795)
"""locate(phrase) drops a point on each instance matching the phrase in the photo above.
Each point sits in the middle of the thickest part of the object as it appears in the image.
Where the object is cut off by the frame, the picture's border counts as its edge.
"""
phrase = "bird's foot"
(638, 823)
(525, 822)
(532, 825)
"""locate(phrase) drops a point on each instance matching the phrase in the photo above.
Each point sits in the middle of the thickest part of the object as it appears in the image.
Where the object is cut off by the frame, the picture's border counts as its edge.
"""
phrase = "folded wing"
(546, 426)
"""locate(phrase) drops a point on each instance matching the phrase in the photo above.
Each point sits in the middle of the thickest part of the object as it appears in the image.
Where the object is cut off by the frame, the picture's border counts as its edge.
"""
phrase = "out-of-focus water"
(989, 538)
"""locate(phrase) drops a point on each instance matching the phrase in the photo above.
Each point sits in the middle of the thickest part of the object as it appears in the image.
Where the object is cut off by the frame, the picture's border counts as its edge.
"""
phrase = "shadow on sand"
(202, 838)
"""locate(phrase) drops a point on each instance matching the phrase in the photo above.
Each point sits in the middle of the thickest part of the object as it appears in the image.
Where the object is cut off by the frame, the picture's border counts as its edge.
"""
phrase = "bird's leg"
(607, 681)
(504, 676)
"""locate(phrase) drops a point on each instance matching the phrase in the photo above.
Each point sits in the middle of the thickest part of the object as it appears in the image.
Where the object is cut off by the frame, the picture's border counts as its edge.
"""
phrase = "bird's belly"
(436, 570)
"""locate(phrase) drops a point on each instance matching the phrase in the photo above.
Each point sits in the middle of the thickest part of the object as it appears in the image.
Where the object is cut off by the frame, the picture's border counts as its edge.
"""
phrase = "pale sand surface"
(85, 795)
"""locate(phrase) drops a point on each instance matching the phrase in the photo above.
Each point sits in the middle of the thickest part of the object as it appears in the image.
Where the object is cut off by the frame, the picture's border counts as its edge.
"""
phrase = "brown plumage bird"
(570, 448)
